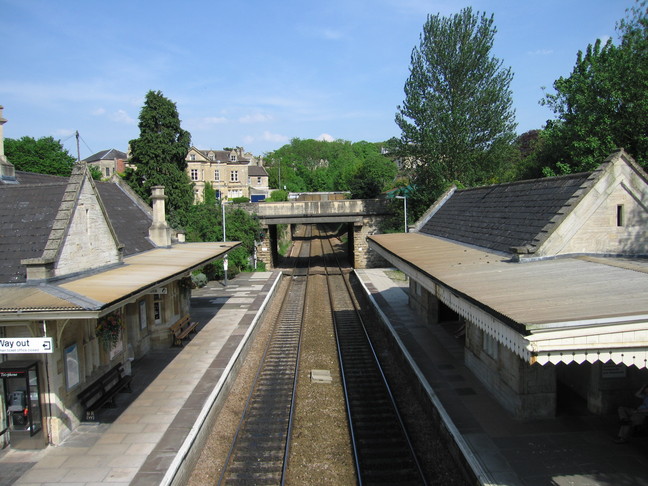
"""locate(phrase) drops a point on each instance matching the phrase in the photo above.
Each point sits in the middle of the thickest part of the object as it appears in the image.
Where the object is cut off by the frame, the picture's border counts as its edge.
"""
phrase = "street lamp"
(404, 198)
(224, 239)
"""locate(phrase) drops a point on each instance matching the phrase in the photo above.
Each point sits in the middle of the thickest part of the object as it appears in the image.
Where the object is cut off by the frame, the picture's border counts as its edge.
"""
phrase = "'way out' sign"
(25, 345)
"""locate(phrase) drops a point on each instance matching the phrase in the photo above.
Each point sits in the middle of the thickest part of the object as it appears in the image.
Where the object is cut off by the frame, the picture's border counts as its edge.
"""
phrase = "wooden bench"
(182, 329)
(103, 391)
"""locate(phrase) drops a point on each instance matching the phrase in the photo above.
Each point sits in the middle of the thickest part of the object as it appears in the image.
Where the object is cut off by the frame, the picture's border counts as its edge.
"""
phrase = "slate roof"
(129, 221)
(503, 216)
(26, 217)
(28, 210)
(256, 171)
(109, 154)
(222, 156)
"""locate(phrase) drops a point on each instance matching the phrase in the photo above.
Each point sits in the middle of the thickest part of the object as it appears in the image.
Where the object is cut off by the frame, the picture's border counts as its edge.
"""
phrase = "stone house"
(232, 173)
(545, 281)
(109, 162)
(78, 256)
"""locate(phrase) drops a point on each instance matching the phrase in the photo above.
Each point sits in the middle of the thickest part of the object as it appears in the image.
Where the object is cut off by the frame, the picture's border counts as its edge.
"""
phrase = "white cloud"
(321, 32)
(330, 34)
(255, 118)
(63, 132)
(326, 137)
(98, 112)
(274, 137)
(120, 116)
(541, 52)
(214, 120)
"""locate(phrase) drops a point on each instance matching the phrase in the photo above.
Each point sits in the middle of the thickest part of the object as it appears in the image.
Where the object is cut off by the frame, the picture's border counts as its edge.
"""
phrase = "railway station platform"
(576, 448)
(138, 442)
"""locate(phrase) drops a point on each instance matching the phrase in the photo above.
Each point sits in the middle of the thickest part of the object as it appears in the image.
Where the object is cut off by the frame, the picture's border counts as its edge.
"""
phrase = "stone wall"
(527, 391)
(610, 219)
(363, 256)
(89, 242)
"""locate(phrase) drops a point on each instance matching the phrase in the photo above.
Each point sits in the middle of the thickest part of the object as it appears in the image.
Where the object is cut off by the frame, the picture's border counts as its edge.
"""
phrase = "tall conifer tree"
(159, 153)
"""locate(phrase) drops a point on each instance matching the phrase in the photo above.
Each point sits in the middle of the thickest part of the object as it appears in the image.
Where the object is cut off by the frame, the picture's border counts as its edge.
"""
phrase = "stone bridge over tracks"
(359, 217)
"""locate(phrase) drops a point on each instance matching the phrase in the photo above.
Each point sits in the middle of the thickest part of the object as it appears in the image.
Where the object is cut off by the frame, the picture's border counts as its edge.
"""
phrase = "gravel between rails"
(320, 452)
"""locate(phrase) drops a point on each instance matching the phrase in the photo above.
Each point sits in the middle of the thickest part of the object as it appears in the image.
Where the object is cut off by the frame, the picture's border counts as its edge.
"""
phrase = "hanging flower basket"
(186, 283)
(109, 329)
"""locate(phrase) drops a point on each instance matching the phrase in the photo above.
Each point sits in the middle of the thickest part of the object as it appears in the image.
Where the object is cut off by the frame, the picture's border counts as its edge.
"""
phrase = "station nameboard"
(29, 345)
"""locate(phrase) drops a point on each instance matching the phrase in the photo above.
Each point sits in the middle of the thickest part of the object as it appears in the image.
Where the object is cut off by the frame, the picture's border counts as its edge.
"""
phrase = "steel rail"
(383, 451)
(259, 450)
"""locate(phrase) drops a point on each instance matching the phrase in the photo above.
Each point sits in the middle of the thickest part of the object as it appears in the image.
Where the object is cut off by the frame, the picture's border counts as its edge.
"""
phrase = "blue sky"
(257, 73)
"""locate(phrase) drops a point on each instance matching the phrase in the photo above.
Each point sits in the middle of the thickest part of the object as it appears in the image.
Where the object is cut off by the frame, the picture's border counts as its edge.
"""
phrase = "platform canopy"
(556, 310)
(94, 294)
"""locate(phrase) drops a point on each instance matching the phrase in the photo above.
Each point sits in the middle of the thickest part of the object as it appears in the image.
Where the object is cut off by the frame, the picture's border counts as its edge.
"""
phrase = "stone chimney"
(7, 172)
(159, 232)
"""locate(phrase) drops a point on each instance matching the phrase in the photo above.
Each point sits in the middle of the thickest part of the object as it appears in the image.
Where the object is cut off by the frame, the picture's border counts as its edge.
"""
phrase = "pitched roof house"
(75, 256)
(109, 162)
(232, 173)
(549, 278)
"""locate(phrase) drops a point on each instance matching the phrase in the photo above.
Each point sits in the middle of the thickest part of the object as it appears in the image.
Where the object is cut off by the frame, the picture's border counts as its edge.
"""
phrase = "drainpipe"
(49, 390)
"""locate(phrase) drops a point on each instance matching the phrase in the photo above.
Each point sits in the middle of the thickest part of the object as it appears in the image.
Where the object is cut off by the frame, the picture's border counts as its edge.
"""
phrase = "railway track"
(261, 444)
(382, 451)
(381, 445)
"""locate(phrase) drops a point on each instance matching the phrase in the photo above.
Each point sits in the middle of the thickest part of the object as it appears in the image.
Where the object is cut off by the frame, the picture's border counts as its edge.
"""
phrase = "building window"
(192, 157)
(232, 158)
(258, 181)
(620, 217)
(194, 174)
(107, 171)
(211, 157)
(217, 175)
(234, 176)
(490, 345)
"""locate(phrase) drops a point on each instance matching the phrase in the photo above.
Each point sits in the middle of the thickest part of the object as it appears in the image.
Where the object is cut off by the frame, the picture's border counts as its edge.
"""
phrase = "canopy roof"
(563, 309)
(98, 293)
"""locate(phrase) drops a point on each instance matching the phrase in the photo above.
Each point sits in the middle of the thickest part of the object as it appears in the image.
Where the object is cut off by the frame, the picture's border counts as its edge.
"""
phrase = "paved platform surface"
(576, 448)
(135, 443)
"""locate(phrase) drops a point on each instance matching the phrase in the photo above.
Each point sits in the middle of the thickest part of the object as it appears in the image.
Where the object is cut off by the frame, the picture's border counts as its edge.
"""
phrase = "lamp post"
(224, 239)
(404, 198)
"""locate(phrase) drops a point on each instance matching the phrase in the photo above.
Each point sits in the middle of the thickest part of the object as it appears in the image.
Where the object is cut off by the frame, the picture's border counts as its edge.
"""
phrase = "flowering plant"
(186, 283)
(109, 329)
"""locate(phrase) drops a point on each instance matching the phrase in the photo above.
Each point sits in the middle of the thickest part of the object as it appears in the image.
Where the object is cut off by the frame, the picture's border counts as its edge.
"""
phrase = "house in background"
(228, 171)
(546, 282)
(92, 270)
(258, 185)
(109, 162)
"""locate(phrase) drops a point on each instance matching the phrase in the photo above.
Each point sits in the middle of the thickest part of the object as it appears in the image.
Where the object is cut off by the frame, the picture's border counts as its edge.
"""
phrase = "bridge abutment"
(361, 217)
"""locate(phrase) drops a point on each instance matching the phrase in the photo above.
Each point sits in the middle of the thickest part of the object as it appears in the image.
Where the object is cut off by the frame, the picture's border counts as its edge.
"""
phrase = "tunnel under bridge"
(358, 218)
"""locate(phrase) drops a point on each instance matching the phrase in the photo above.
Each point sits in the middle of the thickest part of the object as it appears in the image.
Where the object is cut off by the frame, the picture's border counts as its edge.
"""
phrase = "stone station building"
(545, 280)
(77, 256)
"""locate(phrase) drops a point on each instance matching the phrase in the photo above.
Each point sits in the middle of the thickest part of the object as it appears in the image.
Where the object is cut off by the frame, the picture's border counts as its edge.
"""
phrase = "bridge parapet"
(300, 212)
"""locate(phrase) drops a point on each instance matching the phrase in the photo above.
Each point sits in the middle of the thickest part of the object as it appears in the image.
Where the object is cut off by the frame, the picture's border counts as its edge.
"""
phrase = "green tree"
(316, 165)
(209, 194)
(44, 156)
(278, 196)
(457, 116)
(603, 104)
(159, 153)
(376, 174)
(204, 222)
